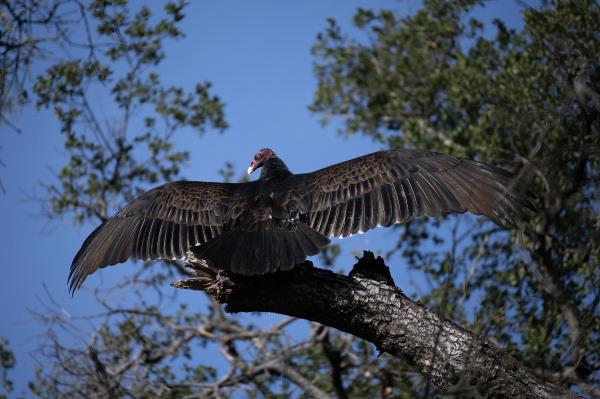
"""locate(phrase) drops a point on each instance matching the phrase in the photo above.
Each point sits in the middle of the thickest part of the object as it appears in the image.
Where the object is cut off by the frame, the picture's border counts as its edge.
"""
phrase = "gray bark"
(367, 304)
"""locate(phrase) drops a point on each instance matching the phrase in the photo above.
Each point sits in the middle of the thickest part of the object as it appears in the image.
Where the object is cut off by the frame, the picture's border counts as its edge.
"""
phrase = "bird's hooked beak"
(253, 166)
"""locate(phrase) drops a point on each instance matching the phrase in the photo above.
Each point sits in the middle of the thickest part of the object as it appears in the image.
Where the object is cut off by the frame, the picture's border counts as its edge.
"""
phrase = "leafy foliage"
(106, 165)
(25, 27)
(7, 362)
(528, 100)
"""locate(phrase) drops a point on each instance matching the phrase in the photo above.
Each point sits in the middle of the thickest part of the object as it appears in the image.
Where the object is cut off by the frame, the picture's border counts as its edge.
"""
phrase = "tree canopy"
(437, 79)
(527, 99)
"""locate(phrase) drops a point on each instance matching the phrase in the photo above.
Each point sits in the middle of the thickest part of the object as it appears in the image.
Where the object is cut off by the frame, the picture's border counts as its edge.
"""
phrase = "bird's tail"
(263, 251)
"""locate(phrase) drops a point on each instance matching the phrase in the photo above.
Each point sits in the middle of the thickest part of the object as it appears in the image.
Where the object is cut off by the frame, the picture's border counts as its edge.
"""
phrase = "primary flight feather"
(275, 222)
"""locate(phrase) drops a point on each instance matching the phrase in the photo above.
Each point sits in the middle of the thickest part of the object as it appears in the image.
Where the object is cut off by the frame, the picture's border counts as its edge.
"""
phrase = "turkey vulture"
(275, 222)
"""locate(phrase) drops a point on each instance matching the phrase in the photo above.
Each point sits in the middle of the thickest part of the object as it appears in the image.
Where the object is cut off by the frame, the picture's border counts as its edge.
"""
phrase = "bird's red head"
(259, 159)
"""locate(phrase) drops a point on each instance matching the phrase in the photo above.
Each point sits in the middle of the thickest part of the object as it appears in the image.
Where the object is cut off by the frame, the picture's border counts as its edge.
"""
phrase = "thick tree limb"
(368, 305)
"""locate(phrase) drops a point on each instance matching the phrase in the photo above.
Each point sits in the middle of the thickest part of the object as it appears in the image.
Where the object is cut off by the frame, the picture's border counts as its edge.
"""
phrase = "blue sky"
(257, 55)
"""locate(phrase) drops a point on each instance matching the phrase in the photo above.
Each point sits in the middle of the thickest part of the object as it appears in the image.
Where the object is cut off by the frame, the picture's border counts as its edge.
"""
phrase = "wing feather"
(403, 210)
(163, 223)
(398, 185)
(349, 219)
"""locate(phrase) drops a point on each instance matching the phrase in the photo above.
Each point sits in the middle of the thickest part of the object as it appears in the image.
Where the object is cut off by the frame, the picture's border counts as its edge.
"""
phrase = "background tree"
(29, 31)
(528, 99)
(7, 362)
(431, 80)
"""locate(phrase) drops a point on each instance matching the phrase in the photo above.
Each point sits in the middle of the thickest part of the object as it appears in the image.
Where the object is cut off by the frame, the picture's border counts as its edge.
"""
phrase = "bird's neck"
(272, 168)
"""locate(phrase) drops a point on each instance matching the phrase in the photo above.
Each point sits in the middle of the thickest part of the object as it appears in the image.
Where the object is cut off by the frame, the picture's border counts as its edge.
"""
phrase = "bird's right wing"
(162, 223)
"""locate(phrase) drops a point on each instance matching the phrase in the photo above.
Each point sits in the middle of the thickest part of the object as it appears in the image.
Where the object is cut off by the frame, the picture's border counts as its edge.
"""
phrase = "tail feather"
(264, 251)
(285, 254)
(298, 251)
(308, 242)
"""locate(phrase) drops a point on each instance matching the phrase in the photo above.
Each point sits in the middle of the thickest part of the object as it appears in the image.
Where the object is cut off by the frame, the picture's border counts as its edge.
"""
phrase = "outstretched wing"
(163, 223)
(395, 186)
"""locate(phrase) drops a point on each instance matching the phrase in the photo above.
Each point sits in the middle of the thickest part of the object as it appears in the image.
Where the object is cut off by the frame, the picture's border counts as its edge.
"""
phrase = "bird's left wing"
(162, 223)
(395, 186)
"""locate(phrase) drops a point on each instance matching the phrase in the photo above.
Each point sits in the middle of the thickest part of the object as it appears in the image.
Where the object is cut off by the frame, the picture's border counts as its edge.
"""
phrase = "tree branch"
(334, 356)
(368, 305)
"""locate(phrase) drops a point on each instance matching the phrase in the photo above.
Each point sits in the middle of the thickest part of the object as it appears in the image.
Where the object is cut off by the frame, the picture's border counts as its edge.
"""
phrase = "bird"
(276, 221)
